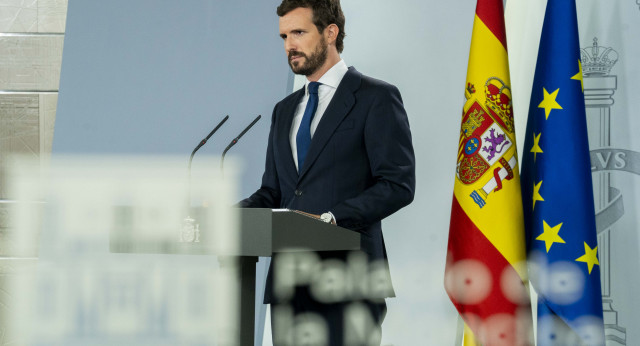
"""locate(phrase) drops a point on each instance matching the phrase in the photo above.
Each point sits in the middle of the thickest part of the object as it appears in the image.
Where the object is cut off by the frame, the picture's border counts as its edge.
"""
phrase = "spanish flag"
(485, 274)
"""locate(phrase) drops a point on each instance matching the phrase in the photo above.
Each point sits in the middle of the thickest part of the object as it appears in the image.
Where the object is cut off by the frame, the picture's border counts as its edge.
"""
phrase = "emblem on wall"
(599, 87)
(190, 231)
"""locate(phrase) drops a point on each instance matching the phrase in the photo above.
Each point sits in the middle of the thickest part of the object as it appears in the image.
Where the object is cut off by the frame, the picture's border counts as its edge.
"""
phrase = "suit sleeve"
(389, 148)
(268, 195)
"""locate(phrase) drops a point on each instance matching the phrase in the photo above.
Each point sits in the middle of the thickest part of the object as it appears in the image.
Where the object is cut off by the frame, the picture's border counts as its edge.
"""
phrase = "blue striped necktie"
(303, 138)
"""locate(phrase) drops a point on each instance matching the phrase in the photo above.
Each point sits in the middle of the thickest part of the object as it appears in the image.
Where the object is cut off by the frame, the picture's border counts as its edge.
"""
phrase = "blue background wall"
(155, 77)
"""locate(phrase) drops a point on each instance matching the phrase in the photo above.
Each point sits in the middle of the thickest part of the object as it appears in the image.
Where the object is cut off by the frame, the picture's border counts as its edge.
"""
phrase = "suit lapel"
(340, 105)
(284, 128)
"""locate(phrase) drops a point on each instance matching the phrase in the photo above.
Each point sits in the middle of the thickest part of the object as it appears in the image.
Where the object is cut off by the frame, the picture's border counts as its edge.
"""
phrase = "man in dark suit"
(339, 150)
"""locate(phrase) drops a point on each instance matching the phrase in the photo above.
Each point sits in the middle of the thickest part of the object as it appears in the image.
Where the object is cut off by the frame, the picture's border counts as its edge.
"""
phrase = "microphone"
(190, 232)
(202, 142)
(235, 140)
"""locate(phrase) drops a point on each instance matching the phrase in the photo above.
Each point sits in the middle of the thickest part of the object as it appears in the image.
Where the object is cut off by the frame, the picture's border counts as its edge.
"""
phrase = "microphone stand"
(190, 231)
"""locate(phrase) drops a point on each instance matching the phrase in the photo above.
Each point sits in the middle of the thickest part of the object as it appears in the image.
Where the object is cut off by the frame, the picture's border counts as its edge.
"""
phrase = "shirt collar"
(331, 78)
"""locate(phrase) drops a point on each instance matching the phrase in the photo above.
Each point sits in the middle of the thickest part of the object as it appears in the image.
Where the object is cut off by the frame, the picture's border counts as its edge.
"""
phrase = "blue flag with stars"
(557, 192)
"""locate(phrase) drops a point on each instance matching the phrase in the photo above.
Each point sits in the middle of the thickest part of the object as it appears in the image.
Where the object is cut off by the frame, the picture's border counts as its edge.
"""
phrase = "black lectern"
(263, 232)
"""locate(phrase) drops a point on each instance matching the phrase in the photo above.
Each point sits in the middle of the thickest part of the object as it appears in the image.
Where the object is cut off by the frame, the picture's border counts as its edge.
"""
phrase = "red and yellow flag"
(486, 270)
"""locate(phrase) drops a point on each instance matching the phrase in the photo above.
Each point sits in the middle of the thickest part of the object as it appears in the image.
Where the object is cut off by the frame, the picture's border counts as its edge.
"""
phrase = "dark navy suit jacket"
(360, 165)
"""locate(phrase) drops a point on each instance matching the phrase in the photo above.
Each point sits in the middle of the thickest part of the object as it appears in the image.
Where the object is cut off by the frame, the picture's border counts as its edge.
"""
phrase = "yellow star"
(536, 146)
(590, 256)
(549, 102)
(578, 76)
(550, 235)
(538, 197)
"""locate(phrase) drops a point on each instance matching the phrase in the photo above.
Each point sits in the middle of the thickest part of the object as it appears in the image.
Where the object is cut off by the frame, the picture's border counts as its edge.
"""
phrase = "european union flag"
(557, 191)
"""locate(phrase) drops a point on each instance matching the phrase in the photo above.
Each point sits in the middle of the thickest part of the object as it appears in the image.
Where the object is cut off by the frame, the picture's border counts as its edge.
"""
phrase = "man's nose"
(289, 46)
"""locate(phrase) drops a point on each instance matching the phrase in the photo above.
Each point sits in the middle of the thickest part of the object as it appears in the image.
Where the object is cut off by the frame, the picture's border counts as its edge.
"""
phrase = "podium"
(263, 232)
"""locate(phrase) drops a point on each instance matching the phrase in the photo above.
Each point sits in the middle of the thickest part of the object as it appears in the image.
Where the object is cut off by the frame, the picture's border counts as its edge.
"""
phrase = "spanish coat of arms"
(485, 137)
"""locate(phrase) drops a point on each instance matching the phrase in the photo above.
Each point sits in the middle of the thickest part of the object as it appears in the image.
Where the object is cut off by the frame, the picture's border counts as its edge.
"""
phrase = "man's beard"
(312, 63)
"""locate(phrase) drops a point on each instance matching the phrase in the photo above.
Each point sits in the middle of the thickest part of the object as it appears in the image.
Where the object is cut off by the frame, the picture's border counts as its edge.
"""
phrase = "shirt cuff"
(333, 218)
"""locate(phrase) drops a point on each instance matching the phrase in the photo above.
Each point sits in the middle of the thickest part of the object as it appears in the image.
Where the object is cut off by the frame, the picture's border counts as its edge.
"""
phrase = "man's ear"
(331, 33)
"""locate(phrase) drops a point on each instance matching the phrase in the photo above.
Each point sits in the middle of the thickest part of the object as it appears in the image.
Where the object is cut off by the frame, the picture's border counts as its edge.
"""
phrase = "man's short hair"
(325, 12)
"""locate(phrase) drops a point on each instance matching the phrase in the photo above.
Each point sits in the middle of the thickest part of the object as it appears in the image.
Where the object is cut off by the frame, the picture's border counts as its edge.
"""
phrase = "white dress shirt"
(329, 83)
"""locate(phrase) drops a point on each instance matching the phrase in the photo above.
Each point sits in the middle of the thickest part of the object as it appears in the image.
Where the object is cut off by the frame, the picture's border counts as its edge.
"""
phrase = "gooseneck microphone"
(190, 230)
(235, 140)
(202, 142)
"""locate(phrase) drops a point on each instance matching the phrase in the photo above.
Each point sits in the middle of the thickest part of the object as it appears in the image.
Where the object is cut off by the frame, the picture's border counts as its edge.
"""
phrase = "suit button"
(298, 193)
